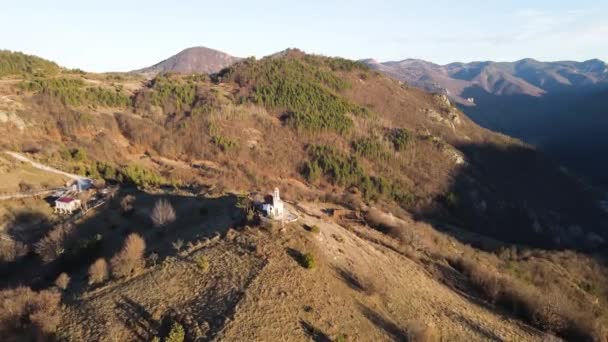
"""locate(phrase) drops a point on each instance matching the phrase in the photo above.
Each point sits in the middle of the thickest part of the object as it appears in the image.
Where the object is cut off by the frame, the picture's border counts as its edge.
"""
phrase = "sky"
(124, 35)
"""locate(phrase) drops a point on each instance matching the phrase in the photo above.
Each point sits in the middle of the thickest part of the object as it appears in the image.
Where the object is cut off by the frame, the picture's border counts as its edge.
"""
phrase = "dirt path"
(43, 167)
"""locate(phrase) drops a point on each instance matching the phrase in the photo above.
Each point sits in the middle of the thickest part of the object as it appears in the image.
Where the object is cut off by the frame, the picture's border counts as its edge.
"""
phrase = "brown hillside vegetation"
(414, 223)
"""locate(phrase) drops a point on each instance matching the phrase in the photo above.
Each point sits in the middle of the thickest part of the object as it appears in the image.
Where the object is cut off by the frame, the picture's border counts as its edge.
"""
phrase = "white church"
(273, 206)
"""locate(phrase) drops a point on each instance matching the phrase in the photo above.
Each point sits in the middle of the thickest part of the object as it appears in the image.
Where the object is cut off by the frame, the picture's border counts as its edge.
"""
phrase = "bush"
(224, 143)
(417, 331)
(400, 138)
(98, 271)
(202, 262)
(162, 213)
(27, 315)
(370, 148)
(52, 246)
(308, 261)
(315, 229)
(62, 281)
(176, 334)
(11, 250)
(127, 204)
(141, 176)
(130, 260)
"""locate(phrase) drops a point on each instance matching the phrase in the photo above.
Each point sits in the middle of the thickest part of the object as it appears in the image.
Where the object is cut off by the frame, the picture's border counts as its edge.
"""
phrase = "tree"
(62, 281)
(27, 315)
(162, 213)
(130, 260)
(98, 271)
(51, 246)
(176, 334)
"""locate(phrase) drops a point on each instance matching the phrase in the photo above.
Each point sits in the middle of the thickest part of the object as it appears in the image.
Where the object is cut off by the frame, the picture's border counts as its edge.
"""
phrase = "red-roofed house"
(66, 205)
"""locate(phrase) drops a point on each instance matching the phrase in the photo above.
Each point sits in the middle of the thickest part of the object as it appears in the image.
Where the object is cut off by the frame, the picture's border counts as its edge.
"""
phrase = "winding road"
(37, 165)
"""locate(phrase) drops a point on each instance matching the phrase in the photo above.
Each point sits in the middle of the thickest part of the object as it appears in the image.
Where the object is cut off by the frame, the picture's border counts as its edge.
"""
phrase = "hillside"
(414, 222)
(191, 61)
(553, 105)
(20, 64)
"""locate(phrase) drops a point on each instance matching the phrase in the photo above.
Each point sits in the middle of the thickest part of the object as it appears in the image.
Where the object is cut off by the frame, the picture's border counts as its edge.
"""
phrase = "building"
(273, 206)
(66, 205)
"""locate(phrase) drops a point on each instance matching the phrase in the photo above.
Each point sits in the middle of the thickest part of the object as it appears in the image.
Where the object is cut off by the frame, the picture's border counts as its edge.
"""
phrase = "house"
(66, 205)
(273, 206)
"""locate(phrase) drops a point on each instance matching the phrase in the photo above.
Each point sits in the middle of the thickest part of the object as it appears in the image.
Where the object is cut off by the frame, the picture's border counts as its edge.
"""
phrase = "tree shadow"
(137, 319)
(350, 279)
(396, 332)
(485, 333)
(296, 255)
(314, 333)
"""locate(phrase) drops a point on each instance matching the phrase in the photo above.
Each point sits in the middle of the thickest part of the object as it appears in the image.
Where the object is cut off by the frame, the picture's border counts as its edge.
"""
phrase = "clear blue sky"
(125, 35)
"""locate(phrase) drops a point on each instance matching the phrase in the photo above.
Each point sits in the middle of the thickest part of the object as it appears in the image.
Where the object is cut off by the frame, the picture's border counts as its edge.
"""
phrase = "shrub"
(417, 331)
(340, 338)
(52, 246)
(176, 334)
(178, 244)
(98, 271)
(224, 143)
(308, 261)
(162, 213)
(126, 204)
(202, 262)
(370, 148)
(11, 250)
(315, 229)
(27, 315)
(62, 281)
(130, 260)
(142, 176)
(400, 138)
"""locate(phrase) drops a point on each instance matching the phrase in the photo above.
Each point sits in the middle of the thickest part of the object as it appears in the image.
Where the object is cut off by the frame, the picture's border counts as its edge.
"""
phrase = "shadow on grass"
(396, 332)
(314, 333)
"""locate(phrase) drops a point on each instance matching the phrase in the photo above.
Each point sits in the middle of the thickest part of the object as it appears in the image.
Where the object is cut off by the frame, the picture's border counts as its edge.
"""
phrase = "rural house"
(66, 205)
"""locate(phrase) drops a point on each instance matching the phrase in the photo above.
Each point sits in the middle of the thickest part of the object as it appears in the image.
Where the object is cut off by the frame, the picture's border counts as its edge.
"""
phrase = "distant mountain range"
(525, 77)
(192, 60)
(562, 107)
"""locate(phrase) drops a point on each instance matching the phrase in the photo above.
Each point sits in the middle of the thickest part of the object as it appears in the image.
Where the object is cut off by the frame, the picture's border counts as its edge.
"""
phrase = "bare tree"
(98, 271)
(162, 213)
(27, 315)
(62, 281)
(177, 245)
(126, 204)
(130, 260)
(51, 246)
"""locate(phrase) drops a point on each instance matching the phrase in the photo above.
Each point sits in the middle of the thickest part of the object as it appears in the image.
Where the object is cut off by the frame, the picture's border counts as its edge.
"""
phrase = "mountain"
(192, 60)
(557, 106)
(412, 222)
